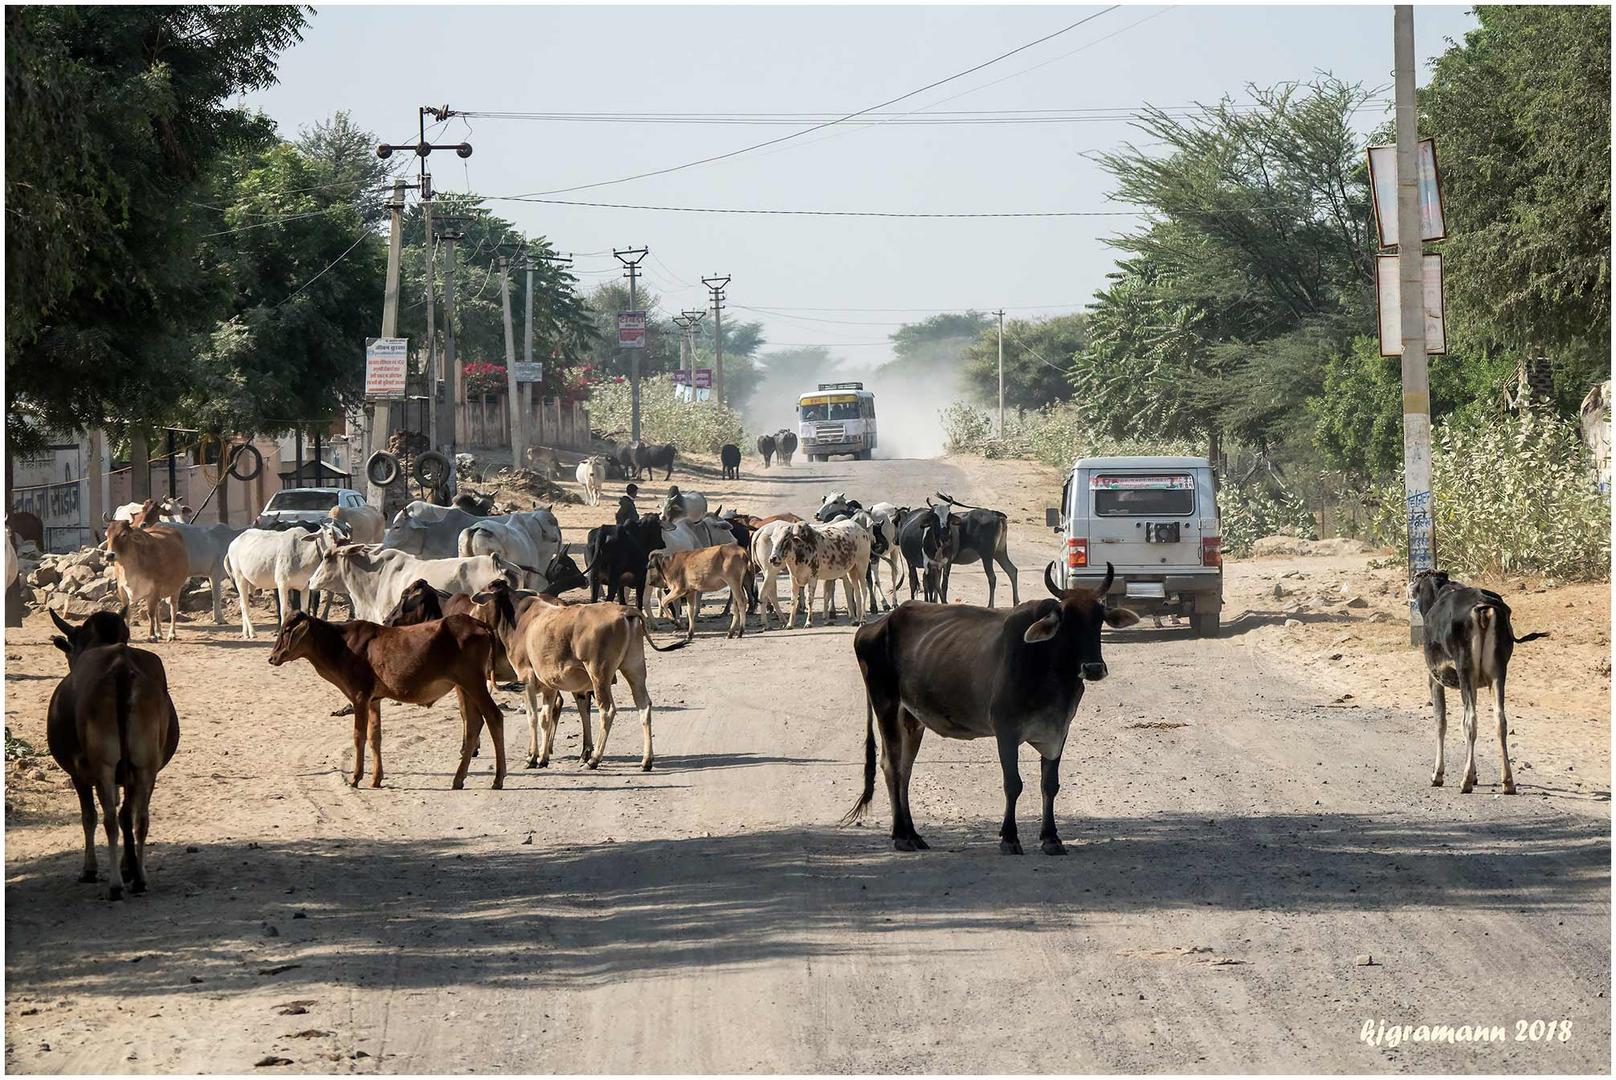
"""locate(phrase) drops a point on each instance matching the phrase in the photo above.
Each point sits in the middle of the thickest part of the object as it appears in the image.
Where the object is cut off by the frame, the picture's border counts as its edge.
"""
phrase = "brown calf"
(416, 665)
(112, 724)
(151, 566)
(691, 573)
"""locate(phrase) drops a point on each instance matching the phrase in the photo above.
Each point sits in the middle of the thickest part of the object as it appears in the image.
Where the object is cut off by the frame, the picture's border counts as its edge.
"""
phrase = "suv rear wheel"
(1207, 626)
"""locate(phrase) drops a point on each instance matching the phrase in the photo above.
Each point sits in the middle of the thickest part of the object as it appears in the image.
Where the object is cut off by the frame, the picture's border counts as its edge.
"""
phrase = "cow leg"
(887, 708)
(910, 732)
(126, 827)
(1009, 843)
(1503, 733)
(695, 606)
(471, 724)
(1048, 784)
(892, 577)
(106, 790)
(942, 583)
(242, 592)
(153, 617)
(737, 620)
(484, 703)
(582, 701)
(285, 604)
(87, 816)
(1467, 695)
(173, 614)
(987, 568)
(361, 716)
(642, 701)
(530, 703)
(1010, 571)
(136, 814)
(375, 726)
(1439, 699)
(608, 713)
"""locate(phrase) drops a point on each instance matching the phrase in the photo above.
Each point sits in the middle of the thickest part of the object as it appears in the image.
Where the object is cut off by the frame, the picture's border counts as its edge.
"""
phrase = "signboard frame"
(529, 373)
(1388, 306)
(1383, 193)
(387, 368)
(631, 329)
(703, 378)
(681, 377)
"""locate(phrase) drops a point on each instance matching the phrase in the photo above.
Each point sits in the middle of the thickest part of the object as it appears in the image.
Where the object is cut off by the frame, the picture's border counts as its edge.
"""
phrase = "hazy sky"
(381, 62)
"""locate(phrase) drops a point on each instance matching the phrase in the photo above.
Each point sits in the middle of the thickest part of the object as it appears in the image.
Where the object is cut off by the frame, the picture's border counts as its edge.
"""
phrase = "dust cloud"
(907, 402)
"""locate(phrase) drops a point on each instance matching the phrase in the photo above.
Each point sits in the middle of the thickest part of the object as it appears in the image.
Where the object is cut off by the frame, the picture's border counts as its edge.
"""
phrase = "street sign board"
(704, 378)
(1391, 310)
(386, 366)
(631, 330)
(681, 377)
(1383, 188)
(526, 372)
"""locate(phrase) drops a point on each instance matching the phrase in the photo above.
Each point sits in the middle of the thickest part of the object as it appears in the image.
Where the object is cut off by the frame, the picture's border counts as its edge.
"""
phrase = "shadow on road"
(441, 912)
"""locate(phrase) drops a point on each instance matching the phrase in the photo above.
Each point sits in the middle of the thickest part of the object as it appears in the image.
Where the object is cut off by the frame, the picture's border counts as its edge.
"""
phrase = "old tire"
(431, 469)
(382, 468)
(1207, 626)
(250, 451)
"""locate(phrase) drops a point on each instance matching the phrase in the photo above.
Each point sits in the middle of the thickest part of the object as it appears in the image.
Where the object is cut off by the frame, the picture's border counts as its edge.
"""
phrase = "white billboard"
(1391, 309)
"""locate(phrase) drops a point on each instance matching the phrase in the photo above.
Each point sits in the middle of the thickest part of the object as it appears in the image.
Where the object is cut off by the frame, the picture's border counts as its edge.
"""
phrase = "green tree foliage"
(1521, 115)
(938, 343)
(343, 155)
(1037, 360)
(115, 117)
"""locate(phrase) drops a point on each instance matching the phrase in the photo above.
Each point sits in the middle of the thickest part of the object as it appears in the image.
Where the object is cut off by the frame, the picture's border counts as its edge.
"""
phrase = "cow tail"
(857, 813)
(123, 693)
(645, 631)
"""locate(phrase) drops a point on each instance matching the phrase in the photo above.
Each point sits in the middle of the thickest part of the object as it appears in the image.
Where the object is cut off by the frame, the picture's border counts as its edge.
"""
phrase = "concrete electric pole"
(1000, 314)
(631, 258)
(715, 285)
(380, 425)
(455, 380)
(514, 410)
(693, 324)
(433, 380)
(1411, 306)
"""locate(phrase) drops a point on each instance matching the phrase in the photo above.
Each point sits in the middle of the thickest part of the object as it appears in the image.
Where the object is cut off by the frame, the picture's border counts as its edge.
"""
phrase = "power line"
(322, 273)
(829, 123)
(847, 213)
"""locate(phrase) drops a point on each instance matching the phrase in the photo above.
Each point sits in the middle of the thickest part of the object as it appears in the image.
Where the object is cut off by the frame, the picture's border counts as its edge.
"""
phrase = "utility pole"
(525, 389)
(433, 381)
(380, 425)
(631, 258)
(456, 385)
(1411, 304)
(515, 413)
(1000, 314)
(694, 322)
(683, 322)
(715, 285)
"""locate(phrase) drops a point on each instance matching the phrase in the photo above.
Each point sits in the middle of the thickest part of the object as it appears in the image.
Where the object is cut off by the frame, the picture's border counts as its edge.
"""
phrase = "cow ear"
(1120, 617)
(61, 643)
(1043, 629)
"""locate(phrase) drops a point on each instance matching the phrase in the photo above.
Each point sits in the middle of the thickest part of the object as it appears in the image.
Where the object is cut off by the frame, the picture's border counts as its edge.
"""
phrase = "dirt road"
(1239, 845)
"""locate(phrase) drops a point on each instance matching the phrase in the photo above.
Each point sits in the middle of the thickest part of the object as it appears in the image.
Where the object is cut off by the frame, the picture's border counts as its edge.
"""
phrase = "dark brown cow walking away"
(112, 725)
(970, 672)
(416, 665)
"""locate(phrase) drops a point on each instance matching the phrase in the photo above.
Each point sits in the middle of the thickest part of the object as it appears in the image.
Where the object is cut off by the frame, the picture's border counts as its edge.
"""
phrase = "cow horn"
(123, 612)
(1049, 581)
(1110, 576)
(106, 517)
(61, 624)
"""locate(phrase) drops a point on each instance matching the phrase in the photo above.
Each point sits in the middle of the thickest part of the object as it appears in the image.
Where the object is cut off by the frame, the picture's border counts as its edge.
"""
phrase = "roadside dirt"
(1240, 845)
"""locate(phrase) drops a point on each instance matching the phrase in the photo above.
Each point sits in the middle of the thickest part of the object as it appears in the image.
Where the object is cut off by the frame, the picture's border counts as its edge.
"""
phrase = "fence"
(551, 422)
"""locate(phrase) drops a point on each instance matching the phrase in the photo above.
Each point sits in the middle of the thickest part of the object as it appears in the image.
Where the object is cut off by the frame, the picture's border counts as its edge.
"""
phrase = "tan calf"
(688, 574)
(151, 566)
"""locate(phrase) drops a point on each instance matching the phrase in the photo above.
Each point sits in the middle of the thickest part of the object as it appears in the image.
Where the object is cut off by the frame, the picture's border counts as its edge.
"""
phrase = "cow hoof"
(354, 782)
(592, 765)
(1436, 781)
(1009, 847)
(376, 782)
(115, 892)
(87, 878)
(137, 886)
(903, 843)
(920, 845)
(533, 763)
(458, 784)
(1053, 847)
(1509, 787)
(499, 784)
(1466, 787)
(645, 766)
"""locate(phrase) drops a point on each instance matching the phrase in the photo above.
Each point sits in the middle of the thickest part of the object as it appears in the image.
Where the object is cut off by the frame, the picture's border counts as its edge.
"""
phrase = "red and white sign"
(386, 366)
(1171, 483)
(704, 378)
(681, 378)
(631, 330)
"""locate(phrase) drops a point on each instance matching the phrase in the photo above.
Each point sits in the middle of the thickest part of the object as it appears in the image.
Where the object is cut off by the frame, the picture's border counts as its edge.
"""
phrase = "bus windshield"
(836, 410)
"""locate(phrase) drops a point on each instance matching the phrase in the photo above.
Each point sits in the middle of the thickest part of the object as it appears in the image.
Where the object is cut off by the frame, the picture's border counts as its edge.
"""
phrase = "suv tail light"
(1077, 551)
(1211, 551)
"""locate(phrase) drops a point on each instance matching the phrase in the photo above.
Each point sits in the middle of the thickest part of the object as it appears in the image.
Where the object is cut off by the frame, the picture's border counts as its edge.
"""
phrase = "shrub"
(1513, 494)
(1054, 435)
(1254, 510)
(702, 426)
(18, 748)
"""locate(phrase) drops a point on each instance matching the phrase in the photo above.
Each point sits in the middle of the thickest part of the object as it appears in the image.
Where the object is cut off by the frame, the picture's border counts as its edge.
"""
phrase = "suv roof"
(1142, 463)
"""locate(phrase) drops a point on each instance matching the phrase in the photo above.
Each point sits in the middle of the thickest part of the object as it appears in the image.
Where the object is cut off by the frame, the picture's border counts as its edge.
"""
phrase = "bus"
(837, 418)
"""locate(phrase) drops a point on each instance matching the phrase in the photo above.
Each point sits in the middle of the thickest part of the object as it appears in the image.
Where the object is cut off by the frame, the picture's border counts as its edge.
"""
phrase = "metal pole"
(513, 411)
(380, 426)
(526, 388)
(433, 375)
(172, 467)
(297, 475)
(1000, 314)
(1411, 297)
(630, 258)
(457, 388)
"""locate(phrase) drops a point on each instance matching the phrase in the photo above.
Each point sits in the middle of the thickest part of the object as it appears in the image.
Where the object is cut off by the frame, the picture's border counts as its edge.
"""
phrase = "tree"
(1037, 360)
(114, 118)
(939, 342)
(1521, 116)
(343, 154)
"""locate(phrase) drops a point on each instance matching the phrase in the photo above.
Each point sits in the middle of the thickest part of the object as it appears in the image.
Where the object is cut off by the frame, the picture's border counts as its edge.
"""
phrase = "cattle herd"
(453, 598)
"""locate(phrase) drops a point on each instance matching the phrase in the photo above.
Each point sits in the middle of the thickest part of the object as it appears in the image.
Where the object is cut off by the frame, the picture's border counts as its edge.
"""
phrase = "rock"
(271, 931)
(71, 607)
(1335, 656)
(1357, 602)
(1292, 624)
(198, 599)
(196, 978)
(1382, 616)
(45, 575)
(1280, 592)
(271, 1059)
(77, 576)
(96, 589)
(1364, 960)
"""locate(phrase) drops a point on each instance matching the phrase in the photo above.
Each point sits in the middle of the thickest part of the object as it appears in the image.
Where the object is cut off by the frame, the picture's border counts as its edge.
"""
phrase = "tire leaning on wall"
(247, 450)
(431, 469)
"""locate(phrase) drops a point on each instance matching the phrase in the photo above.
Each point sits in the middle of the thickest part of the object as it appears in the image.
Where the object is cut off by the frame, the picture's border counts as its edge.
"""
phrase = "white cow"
(279, 559)
(166, 510)
(364, 524)
(883, 530)
(374, 578)
(684, 505)
(592, 475)
(838, 551)
(762, 548)
(527, 540)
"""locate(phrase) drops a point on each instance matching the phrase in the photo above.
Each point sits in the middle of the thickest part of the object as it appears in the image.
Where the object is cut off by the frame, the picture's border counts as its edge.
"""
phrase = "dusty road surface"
(1257, 870)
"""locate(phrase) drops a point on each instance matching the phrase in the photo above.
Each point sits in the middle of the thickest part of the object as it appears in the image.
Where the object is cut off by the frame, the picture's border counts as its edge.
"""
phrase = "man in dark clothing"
(627, 512)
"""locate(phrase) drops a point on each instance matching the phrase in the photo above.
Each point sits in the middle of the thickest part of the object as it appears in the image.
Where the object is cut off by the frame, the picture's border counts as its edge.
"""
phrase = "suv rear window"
(1156, 496)
(302, 500)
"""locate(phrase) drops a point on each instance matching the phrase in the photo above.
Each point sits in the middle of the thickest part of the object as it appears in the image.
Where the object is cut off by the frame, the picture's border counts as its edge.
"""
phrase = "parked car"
(299, 507)
(1155, 519)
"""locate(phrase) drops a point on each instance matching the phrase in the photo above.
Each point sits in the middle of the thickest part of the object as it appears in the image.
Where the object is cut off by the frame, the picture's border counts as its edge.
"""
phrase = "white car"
(299, 507)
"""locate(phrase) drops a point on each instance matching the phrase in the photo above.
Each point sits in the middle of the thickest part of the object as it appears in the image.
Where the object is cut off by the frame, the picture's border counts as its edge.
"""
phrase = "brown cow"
(111, 724)
(25, 526)
(416, 665)
(691, 573)
(151, 566)
(577, 649)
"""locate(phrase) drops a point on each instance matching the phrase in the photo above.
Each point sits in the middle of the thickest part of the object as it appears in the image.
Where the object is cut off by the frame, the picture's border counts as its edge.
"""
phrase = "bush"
(1054, 435)
(1253, 510)
(18, 748)
(1513, 494)
(701, 426)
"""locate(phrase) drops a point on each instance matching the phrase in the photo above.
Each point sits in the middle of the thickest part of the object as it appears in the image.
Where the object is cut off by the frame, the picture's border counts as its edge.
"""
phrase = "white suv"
(1156, 520)
(297, 507)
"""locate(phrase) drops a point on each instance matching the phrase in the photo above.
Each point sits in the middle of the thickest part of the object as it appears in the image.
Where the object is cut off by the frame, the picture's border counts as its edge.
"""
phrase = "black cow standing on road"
(617, 558)
(649, 457)
(1468, 642)
(969, 672)
(730, 455)
(981, 535)
(785, 444)
(924, 537)
(766, 449)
